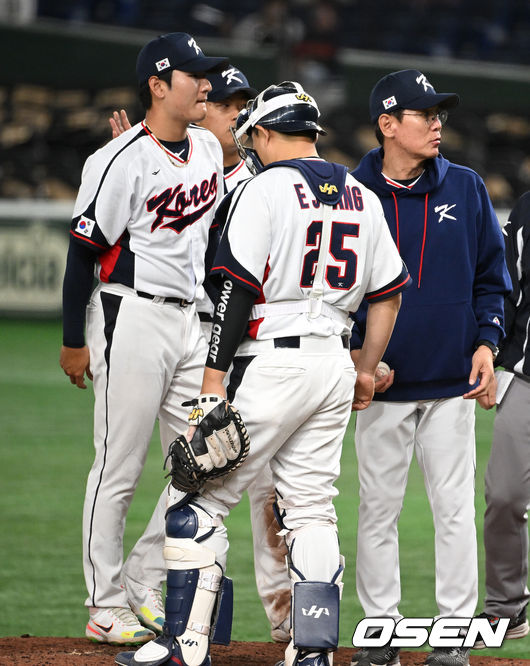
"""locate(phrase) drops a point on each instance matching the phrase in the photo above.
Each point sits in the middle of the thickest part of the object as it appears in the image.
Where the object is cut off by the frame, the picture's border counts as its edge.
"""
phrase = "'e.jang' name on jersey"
(147, 213)
(270, 246)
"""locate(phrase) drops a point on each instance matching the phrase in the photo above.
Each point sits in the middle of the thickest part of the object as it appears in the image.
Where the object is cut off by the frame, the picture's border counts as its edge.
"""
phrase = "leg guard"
(199, 598)
(194, 579)
(221, 624)
(315, 619)
(315, 612)
(316, 615)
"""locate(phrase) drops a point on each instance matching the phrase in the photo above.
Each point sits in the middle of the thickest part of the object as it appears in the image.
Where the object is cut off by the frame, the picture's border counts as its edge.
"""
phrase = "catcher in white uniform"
(229, 95)
(142, 219)
(303, 244)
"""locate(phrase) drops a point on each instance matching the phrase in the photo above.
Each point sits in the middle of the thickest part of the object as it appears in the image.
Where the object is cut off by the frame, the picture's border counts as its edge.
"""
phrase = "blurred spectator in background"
(116, 12)
(472, 29)
(272, 24)
(18, 11)
(211, 19)
(316, 54)
(305, 40)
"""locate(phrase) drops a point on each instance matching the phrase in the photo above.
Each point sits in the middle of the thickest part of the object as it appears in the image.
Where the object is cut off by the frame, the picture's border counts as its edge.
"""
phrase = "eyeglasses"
(431, 117)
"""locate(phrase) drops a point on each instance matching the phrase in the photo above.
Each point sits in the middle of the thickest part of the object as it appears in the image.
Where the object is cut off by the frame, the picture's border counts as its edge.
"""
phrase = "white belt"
(299, 307)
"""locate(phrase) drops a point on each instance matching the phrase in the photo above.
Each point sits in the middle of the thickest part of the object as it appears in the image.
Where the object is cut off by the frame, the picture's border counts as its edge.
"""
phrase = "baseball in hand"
(382, 370)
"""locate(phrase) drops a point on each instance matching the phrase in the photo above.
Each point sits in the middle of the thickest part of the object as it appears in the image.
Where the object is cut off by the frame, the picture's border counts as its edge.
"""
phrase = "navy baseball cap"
(228, 82)
(176, 50)
(407, 89)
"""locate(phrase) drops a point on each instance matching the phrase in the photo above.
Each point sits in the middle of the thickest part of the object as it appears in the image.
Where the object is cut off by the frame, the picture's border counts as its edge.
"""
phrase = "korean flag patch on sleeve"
(85, 226)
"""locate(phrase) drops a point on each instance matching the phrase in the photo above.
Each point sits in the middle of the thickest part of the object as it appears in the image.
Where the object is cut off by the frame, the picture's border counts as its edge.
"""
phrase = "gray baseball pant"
(507, 501)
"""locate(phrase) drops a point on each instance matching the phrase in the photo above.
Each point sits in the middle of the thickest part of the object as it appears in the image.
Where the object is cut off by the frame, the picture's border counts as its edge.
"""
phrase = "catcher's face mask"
(285, 108)
(247, 154)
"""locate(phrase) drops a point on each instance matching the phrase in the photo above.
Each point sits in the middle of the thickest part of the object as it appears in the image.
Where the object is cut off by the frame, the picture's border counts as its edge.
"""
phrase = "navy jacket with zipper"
(449, 237)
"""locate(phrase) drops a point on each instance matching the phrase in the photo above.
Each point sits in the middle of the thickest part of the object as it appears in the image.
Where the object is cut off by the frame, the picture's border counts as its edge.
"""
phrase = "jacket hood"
(369, 173)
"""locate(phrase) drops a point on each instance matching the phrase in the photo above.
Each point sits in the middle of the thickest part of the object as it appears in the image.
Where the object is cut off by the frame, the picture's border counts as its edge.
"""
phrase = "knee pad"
(190, 521)
(186, 527)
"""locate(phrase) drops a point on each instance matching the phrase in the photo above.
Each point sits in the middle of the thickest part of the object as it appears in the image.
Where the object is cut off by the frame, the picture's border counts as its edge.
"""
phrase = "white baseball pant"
(442, 435)
(146, 358)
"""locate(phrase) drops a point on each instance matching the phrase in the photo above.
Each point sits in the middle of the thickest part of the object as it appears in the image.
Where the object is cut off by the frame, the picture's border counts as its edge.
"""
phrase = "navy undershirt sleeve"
(230, 321)
(77, 287)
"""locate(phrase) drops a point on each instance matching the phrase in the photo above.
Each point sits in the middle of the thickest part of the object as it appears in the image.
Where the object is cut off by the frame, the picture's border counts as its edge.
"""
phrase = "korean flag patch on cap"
(389, 102)
(162, 64)
(85, 226)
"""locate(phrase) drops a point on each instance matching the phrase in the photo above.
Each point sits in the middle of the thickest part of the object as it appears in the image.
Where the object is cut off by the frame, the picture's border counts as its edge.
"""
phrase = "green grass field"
(46, 452)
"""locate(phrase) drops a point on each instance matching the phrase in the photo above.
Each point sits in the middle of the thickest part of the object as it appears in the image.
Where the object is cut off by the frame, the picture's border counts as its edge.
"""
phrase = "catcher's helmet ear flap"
(285, 108)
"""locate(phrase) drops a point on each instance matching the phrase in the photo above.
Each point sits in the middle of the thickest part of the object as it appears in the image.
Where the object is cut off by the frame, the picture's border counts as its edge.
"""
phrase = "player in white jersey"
(304, 243)
(229, 95)
(142, 219)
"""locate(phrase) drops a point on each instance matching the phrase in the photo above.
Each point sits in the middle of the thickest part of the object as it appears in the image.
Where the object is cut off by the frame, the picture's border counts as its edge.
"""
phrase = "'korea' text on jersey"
(150, 236)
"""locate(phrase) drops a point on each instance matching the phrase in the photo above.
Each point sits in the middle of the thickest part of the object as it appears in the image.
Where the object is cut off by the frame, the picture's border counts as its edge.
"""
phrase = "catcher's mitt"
(218, 446)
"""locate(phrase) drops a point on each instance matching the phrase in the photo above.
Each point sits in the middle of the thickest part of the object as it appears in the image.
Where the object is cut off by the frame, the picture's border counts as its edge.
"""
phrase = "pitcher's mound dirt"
(51, 651)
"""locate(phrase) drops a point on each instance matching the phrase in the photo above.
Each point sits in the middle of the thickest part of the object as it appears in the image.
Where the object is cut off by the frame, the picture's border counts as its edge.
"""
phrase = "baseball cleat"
(517, 627)
(116, 626)
(448, 656)
(309, 659)
(124, 658)
(147, 604)
(376, 656)
(154, 653)
(162, 651)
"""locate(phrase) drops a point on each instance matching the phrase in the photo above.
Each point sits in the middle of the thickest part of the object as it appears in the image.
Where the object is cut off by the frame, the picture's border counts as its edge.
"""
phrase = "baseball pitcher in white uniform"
(229, 95)
(304, 243)
(141, 220)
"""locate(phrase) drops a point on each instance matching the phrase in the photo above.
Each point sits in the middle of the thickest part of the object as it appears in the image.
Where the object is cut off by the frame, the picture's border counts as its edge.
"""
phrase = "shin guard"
(315, 612)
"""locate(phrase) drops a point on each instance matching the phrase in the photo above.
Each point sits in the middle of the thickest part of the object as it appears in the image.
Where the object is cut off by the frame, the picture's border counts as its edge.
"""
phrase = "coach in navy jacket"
(448, 235)
(440, 356)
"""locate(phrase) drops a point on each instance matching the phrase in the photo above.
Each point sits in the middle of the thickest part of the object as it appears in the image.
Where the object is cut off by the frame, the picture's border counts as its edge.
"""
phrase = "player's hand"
(488, 400)
(383, 383)
(75, 361)
(481, 367)
(119, 123)
(364, 391)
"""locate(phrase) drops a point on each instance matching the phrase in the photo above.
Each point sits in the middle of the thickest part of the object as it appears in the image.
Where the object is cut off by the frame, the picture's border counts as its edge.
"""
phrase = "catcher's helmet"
(285, 108)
